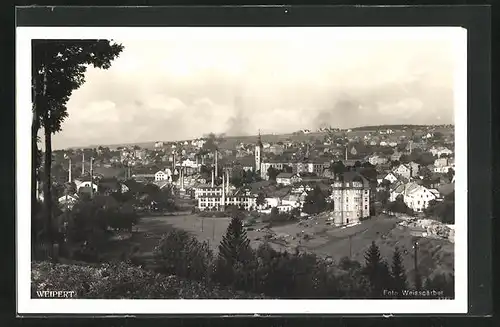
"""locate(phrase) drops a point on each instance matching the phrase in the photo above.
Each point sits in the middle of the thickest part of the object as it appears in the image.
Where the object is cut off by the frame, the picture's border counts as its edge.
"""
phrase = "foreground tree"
(398, 273)
(59, 68)
(234, 253)
(261, 199)
(235, 245)
(376, 270)
(272, 173)
(315, 201)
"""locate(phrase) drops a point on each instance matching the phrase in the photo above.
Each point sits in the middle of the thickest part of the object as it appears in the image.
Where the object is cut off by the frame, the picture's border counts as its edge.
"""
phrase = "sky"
(277, 80)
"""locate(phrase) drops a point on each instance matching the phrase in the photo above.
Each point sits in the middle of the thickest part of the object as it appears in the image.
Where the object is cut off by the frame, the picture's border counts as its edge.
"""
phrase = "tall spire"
(258, 153)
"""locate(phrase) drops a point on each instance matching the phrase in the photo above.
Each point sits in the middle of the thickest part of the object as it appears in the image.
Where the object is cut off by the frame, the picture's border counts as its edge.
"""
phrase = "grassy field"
(434, 255)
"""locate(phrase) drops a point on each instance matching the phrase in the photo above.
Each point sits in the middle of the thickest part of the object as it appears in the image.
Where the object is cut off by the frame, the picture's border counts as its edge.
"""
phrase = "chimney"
(346, 153)
(223, 193)
(182, 178)
(227, 181)
(83, 163)
(216, 165)
(213, 178)
(69, 171)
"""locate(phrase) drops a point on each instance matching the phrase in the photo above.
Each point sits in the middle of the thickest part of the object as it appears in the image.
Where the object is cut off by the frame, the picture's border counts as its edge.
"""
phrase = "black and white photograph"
(258, 164)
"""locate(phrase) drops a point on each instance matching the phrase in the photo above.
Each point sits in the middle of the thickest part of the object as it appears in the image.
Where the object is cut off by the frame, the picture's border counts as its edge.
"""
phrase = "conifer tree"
(235, 245)
(398, 273)
(376, 270)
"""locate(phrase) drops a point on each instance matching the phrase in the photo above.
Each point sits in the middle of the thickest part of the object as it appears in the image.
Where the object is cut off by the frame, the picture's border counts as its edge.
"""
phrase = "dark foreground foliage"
(287, 275)
(121, 281)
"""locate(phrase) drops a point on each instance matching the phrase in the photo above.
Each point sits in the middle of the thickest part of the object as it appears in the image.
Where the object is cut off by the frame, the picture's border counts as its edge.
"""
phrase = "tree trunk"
(34, 178)
(47, 196)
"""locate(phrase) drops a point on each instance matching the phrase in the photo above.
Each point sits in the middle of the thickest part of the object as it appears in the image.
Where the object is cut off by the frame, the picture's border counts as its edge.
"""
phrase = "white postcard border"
(26, 305)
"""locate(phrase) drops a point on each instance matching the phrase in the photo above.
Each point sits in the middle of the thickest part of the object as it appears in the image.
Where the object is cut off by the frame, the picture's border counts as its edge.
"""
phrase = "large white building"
(163, 175)
(297, 167)
(217, 198)
(377, 160)
(351, 198)
(438, 151)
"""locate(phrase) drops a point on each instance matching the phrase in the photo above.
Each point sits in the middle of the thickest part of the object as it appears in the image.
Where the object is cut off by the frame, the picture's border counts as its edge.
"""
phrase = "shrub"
(183, 255)
(121, 281)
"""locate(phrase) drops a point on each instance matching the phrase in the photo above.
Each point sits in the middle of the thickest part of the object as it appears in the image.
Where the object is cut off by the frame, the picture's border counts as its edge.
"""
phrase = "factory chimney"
(69, 171)
(216, 165)
(213, 178)
(83, 163)
(223, 194)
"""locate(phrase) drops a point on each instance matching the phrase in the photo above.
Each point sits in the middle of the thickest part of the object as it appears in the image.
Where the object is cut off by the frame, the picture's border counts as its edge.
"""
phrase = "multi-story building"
(407, 170)
(351, 198)
(277, 149)
(438, 151)
(163, 175)
(264, 166)
(287, 178)
(219, 197)
(377, 160)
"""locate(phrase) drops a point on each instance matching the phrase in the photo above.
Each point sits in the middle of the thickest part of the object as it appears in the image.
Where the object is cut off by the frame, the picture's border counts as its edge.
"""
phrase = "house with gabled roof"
(415, 196)
(287, 178)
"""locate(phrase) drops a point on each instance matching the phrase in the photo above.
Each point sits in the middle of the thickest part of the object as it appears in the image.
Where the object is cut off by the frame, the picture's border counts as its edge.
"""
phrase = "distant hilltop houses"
(415, 165)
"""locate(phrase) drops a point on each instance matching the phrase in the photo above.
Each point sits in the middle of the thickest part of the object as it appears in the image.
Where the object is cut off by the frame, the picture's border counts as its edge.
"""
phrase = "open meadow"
(314, 235)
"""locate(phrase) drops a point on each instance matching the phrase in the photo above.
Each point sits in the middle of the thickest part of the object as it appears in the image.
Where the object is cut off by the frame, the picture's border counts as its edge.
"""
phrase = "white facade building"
(351, 198)
(85, 184)
(377, 160)
(219, 197)
(440, 151)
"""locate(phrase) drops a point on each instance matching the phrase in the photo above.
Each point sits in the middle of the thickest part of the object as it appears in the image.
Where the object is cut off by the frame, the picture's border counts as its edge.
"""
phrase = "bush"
(121, 281)
(183, 255)
(212, 214)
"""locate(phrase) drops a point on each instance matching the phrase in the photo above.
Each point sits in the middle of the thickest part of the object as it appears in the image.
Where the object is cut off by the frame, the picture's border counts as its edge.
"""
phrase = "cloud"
(184, 87)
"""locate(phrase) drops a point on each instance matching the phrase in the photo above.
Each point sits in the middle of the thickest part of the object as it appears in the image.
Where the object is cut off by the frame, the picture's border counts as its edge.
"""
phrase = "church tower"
(258, 153)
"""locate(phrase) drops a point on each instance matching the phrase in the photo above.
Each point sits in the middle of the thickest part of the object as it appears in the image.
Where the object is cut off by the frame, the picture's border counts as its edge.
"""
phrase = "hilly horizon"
(267, 137)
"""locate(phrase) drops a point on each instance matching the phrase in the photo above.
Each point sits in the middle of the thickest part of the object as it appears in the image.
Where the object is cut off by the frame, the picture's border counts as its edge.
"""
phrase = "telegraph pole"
(91, 178)
(213, 229)
(418, 282)
(350, 246)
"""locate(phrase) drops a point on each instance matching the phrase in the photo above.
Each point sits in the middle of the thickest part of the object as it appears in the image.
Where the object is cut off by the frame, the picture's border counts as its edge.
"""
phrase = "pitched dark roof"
(352, 176)
(284, 175)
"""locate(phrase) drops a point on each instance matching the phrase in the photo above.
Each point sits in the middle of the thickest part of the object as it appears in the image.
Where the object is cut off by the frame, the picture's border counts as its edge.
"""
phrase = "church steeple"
(258, 153)
(259, 141)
